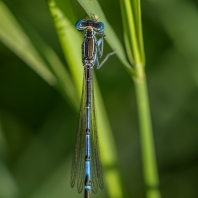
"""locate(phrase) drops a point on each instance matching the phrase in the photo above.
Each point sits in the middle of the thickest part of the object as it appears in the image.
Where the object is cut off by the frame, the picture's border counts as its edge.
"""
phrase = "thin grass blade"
(13, 36)
(70, 41)
(33, 50)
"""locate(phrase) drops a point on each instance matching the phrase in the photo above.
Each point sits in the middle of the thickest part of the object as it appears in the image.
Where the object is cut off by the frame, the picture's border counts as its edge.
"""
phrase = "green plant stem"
(147, 142)
(131, 14)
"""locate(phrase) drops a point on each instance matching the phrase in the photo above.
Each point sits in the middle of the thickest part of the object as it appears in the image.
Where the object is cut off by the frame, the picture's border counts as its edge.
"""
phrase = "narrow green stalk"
(131, 15)
(147, 141)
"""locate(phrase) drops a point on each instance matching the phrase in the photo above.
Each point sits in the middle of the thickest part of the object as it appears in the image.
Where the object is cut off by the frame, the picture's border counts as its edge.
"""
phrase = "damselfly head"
(82, 25)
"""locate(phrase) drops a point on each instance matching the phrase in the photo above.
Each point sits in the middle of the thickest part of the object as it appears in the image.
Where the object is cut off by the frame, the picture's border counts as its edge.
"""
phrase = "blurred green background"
(38, 126)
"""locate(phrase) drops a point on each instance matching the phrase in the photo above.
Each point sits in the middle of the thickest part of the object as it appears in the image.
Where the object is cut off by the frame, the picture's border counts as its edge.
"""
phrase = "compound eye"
(80, 25)
(100, 27)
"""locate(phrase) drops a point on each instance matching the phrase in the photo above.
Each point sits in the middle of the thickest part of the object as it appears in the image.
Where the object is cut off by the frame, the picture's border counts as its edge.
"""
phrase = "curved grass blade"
(36, 53)
(70, 41)
(64, 81)
(13, 36)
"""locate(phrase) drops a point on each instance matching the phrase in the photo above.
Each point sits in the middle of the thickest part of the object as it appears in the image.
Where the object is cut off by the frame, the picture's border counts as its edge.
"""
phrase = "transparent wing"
(77, 172)
(97, 174)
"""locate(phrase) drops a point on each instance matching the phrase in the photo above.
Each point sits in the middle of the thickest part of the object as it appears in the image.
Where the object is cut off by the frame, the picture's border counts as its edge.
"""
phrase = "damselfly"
(86, 167)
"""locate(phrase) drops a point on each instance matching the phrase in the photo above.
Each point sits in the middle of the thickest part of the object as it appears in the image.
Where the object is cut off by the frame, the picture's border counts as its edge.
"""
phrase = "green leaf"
(64, 81)
(70, 41)
(36, 54)
(13, 36)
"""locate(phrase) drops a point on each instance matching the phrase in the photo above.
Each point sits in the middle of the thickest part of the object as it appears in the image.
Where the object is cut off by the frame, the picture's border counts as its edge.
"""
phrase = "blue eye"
(101, 27)
(79, 25)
